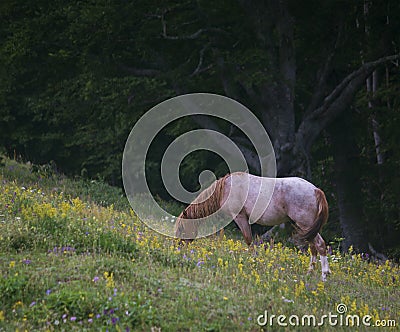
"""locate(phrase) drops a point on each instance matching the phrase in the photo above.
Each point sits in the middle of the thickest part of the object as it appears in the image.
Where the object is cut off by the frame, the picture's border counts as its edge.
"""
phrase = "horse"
(249, 199)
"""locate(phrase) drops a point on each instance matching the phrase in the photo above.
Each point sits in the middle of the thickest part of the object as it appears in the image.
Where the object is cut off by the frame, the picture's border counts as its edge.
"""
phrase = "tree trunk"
(372, 86)
(348, 186)
(274, 100)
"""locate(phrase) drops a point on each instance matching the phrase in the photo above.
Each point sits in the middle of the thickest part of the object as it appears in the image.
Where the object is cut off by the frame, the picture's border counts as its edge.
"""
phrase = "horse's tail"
(208, 202)
(320, 219)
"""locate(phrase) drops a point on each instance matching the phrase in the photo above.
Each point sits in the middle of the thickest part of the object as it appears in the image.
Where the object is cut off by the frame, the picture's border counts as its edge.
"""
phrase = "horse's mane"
(208, 202)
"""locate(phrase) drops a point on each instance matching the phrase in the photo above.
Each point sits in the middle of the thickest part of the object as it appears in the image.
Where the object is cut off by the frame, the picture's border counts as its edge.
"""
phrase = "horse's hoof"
(325, 275)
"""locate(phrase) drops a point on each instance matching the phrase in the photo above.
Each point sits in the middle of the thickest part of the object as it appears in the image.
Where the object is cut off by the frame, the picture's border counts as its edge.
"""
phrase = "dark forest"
(322, 77)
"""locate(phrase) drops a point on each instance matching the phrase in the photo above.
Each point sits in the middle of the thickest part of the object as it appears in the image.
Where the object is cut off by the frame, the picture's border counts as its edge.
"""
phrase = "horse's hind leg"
(313, 258)
(320, 246)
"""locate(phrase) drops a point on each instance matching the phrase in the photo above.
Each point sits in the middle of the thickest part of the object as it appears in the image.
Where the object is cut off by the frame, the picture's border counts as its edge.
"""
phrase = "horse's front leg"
(319, 244)
(242, 221)
(313, 258)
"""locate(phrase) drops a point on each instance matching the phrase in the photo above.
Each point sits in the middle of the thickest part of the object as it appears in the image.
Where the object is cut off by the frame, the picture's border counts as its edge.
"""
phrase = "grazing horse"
(249, 199)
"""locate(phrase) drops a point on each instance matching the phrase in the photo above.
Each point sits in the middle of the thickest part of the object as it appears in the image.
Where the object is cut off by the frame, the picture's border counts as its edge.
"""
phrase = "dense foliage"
(76, 76)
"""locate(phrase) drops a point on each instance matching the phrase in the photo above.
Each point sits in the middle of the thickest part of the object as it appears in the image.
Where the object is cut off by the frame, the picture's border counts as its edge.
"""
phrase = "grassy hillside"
(73, 256)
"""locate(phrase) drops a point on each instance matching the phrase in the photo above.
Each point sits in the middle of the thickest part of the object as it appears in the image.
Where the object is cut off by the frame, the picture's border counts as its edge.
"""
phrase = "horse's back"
(295, 188)
(292, 197)
(271, 201)
(256, 198)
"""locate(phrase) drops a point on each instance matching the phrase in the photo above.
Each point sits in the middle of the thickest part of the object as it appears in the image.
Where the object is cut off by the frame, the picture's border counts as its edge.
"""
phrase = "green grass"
(73, 256)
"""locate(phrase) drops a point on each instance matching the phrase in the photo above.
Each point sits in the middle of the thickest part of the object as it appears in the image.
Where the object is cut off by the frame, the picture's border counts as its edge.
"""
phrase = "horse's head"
(185, 228)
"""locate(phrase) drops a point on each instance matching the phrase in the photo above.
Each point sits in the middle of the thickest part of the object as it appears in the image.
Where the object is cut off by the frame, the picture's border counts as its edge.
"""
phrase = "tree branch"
(321, 83)
(147, 72)
(192, 36)
(322, 76)
(348, 83)
(336, 102)
(198, 69)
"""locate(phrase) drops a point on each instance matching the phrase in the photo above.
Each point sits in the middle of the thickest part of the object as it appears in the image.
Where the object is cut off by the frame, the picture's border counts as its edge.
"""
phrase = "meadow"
(75, 257)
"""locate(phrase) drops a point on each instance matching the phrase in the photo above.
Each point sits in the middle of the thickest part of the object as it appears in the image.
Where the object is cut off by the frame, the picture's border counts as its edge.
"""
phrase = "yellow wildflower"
(220, 262)
(353, 306)
(17, 304)
(110, 279)
(299, 288)
(320, 287)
